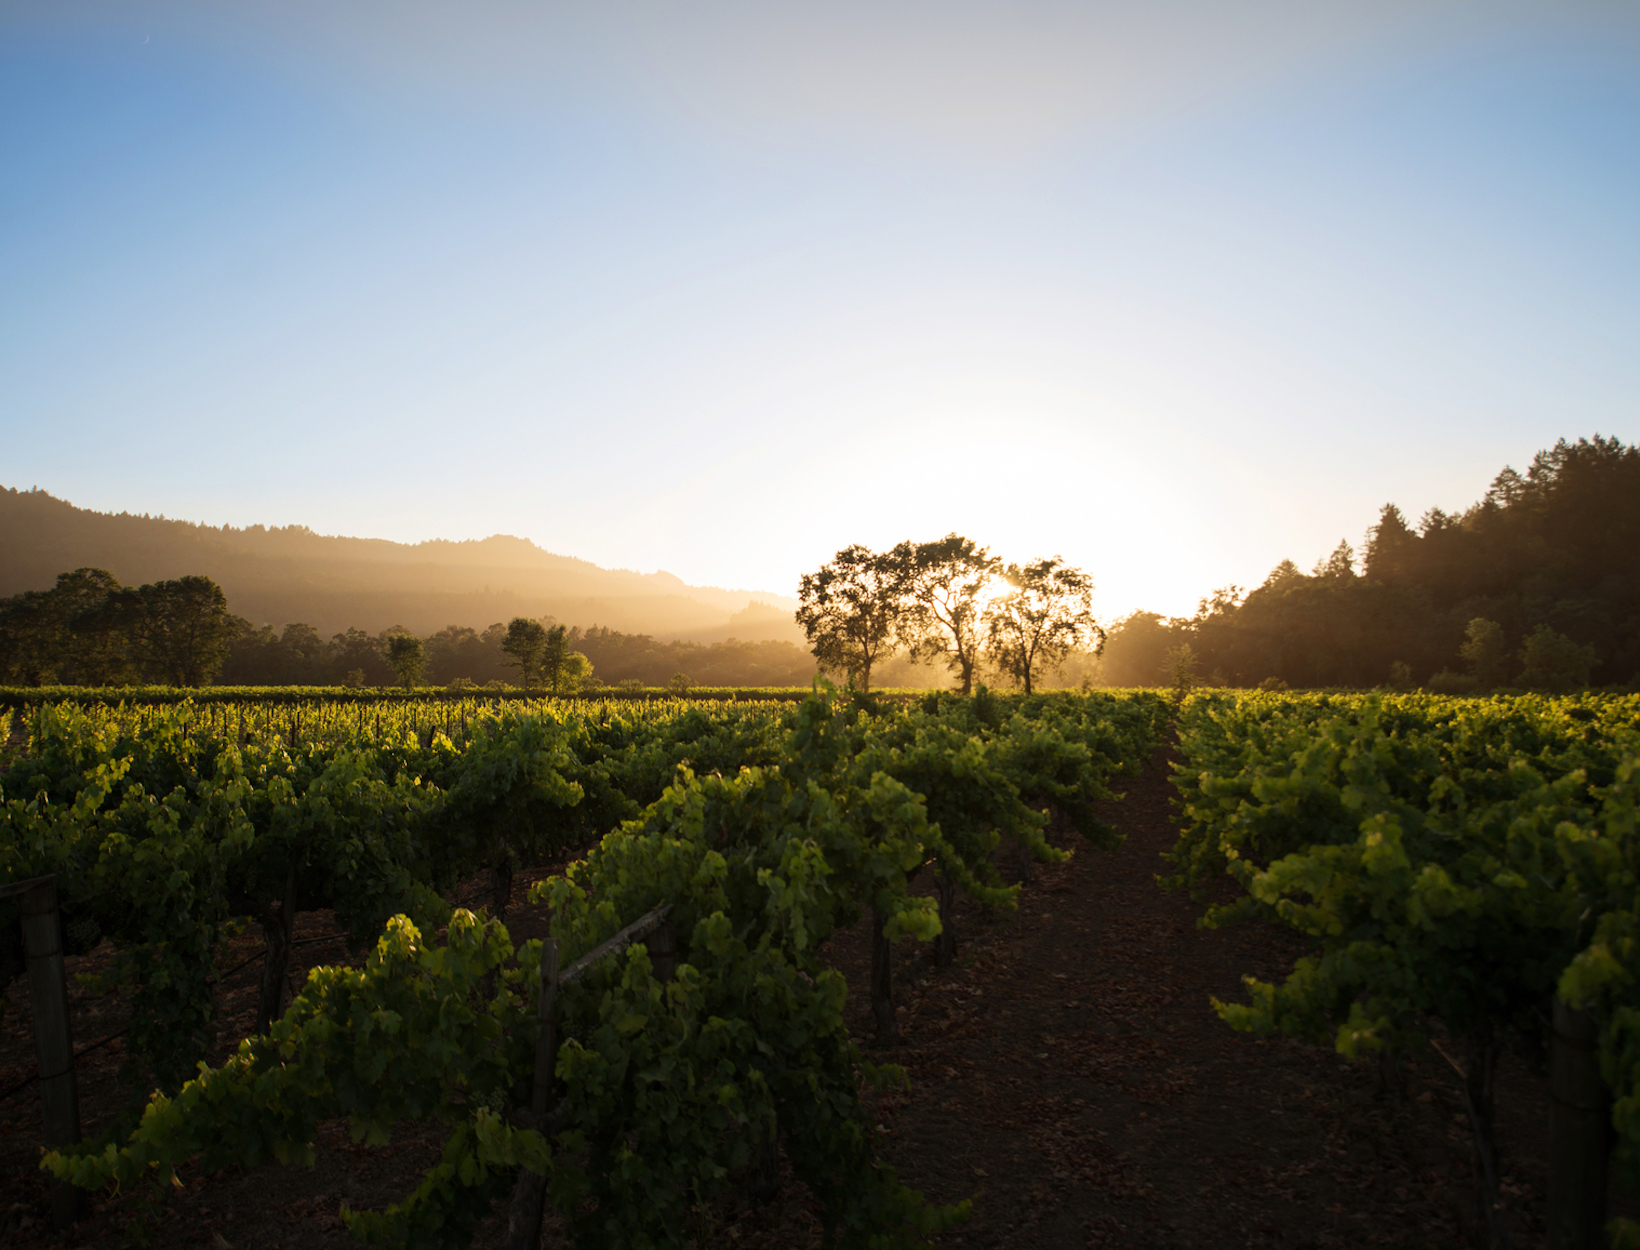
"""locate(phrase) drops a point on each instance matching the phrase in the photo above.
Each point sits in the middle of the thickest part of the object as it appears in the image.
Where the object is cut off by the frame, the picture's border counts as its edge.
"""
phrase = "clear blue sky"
(1173, 290)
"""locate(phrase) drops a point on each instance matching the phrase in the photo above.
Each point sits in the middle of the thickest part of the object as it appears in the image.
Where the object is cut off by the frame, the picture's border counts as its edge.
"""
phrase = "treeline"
(290, 573)
(1537, 585)
(297, 656)
(88, 630)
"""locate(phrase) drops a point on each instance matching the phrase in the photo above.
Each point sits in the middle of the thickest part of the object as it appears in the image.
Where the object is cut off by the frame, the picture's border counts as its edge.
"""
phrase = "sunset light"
(820, 624)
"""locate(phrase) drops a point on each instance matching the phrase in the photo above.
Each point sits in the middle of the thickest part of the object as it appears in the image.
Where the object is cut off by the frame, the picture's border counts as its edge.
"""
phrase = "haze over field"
(276, 577)
(1176, 292)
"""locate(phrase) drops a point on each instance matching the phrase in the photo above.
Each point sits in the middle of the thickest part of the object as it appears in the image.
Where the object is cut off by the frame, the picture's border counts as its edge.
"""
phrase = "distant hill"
(282, 575)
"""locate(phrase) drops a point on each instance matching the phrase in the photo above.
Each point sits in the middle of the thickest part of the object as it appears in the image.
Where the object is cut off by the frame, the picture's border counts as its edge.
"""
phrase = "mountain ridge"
(282, 574)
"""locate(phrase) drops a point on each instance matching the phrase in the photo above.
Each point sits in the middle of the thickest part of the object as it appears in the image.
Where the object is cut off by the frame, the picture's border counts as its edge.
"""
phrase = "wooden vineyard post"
(882, 982)
(524, 1220)
(945, 945)
(529, 1193)
(54, 1040)
(1579, 1133)
(663, 950)
(278, 932)
(546, 1046)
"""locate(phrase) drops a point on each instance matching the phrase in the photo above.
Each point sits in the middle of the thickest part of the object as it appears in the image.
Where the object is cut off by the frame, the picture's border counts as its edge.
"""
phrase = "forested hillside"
(277, 575)
(1537, 584)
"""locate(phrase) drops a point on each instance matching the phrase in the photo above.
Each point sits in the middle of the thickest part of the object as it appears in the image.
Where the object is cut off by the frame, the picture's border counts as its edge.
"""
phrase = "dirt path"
(1068, 1075)
(1071, 1077)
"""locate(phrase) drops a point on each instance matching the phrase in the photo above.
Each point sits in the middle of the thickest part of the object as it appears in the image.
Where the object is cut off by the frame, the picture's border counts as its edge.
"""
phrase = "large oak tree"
(1048, 614)
(948, 591)
(180, 628)
(854, 608)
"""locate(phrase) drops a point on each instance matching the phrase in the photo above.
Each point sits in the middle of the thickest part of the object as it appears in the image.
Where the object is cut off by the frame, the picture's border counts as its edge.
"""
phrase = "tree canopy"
(90, 630)
(853, 608)
(1047, 614)
(1458, 596)
(525, 647)
(948, 585)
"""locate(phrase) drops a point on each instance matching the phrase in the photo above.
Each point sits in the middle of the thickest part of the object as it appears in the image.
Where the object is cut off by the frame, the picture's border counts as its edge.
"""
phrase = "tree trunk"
(1580, 1132)
(1480, 1097)
(882, 983)
(277, 929)
(945, 946)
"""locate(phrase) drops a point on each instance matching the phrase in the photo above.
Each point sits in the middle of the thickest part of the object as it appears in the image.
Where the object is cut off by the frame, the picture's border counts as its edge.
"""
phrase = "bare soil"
(1068, 1075)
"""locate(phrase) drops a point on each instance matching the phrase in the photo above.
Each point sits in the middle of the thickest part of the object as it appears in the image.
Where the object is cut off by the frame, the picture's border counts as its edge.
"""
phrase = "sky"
(1173, 290)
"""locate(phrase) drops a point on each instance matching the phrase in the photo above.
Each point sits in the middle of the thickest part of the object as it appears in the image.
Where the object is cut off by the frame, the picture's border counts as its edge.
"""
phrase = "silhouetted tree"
(92, 651)
(181, 629)
(853, 608)
(405, 656)
(1554, 662)
(526, 647)
(562, 667)
(67, 634)
(1179, 667)
(1340, 565)
(1048, 613)
(1134, 650)
(458, 651)
(942, 620)
(1391, 548)
(1485, 652)
(353, 650)
(28, 638)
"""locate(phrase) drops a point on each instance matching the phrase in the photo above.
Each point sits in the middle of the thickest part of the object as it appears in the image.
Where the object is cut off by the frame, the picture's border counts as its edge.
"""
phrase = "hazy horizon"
(1175, 294)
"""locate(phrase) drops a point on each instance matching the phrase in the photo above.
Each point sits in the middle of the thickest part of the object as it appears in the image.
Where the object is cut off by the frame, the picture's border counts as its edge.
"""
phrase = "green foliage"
(1179, 669)
(943, 619)
(853, 609)
(525, 648)
(405, 655)
(1046, 615)
(1547, 546)
(89, 628)
(1554, 662)
(1453, 860)
(764, 826)
(1486, 653)
(1450, 683)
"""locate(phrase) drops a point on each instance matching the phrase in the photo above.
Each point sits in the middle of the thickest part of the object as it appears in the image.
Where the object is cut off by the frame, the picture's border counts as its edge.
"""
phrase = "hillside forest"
(1536, 585)
(278, 574)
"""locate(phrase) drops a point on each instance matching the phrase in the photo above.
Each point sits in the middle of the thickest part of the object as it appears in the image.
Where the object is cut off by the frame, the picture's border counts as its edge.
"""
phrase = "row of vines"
(1469, 872)
(763, 827)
